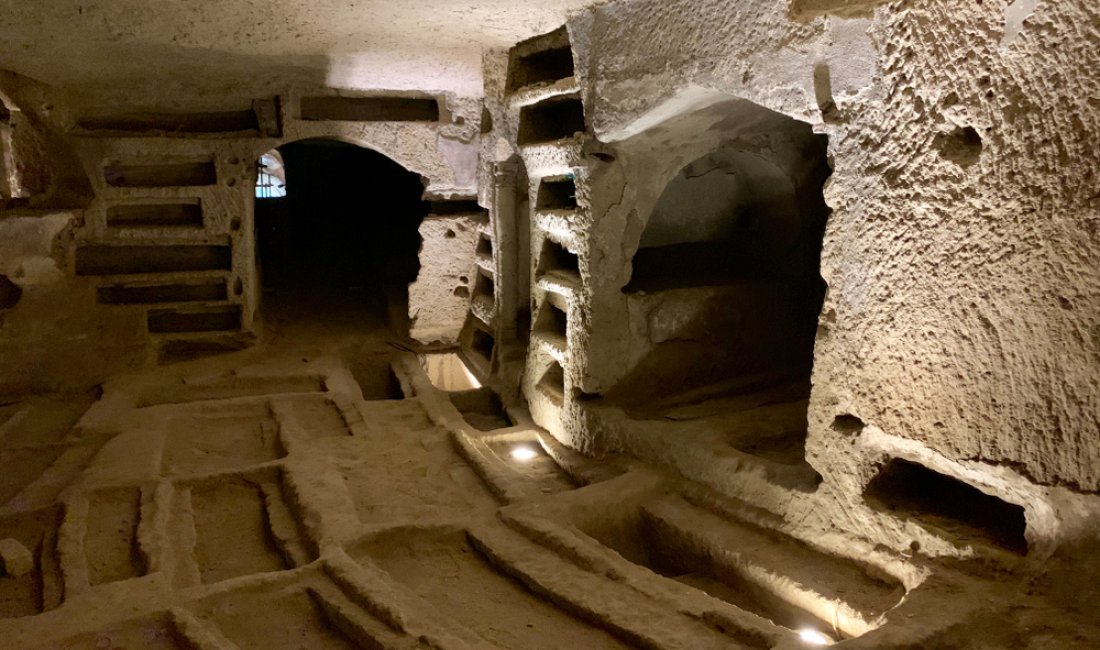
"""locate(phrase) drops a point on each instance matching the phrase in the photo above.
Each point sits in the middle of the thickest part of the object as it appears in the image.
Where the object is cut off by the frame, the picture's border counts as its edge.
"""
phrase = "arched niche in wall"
(724, 290)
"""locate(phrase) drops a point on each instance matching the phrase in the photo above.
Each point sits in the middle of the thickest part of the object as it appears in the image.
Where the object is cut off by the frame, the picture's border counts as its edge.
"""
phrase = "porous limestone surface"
(277, 498)
(440, 297)
(54, 337)
(961, 255)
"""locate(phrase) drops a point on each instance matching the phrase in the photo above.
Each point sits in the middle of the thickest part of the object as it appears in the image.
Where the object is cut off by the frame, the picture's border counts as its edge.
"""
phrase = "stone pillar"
(507, 245)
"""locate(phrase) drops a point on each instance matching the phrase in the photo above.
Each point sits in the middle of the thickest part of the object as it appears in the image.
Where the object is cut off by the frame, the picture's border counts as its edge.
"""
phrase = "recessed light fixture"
(813, 637)
(523, 453)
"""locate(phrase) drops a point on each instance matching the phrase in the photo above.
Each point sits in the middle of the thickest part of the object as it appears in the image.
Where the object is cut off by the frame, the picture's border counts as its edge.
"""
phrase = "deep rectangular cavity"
(484, 286)
(554, 119)
(546, 66)
(545, 58)
(376, 379)
(106, 259)
(555, 258)
(553, 382)
(484, 246)
(557, 194)
(189, 123)
(948, 504)
(111, 536)
(370, 109)
(123, 294)
(447, 371)
(172, 321)
(179, 214)
(552, 320)
(483, 343)
(169, 174)
(232, 532)
(482, 409)
(462, 206)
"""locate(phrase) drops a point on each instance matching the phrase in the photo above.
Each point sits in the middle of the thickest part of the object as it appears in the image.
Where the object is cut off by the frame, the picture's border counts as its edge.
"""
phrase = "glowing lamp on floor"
(813, 637)
(523, 453)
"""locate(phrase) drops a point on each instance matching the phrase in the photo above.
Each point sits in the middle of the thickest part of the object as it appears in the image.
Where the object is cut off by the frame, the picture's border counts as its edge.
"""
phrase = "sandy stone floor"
(320, 492)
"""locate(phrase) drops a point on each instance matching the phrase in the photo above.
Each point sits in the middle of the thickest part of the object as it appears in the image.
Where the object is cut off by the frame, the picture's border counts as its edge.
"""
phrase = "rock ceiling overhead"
(242, 46)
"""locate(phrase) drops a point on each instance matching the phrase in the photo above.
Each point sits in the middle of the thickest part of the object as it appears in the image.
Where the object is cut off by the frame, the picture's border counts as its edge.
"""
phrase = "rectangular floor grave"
(40, 589)
(111, 547)
(444, 569)
(232, 439)
(291, 617)
(748, 567)
(233, 530)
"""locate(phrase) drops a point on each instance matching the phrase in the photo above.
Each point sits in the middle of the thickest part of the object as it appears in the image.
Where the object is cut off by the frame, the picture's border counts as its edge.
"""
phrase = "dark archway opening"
(726, 272)
(725, 289)
(342, 245)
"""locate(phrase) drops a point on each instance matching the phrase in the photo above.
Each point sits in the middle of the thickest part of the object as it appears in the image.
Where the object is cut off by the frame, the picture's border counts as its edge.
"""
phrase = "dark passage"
(344, 240)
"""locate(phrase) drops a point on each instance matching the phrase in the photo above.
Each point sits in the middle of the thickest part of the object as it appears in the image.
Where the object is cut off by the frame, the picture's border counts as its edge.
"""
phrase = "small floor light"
(813, 637)
(523, 453)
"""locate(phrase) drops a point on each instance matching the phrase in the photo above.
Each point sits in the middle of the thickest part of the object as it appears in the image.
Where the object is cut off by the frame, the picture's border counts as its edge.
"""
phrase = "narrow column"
(507, 248)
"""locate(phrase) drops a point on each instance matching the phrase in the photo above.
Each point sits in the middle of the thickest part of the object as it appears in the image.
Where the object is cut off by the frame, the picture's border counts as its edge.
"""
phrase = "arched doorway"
(337, 235)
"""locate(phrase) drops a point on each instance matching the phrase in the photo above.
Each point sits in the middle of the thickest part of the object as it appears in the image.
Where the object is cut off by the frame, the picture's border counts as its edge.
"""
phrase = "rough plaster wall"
(59, 336)
(964, 303)
(40, 168)
(54, 338)
(440, 297)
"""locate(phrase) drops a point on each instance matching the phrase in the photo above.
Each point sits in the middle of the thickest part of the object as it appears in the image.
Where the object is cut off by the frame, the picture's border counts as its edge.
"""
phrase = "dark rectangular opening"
(124, 260)
(553, 382)
(190, 123)
(557, 194)
(481, 408)
(185, 174)
(370, 109)
(464, 206)
(484, 246)
(183, 214)
(482, 343)
(552, 321)
(948, 504)
(554, 119)
(121, 294)
(545, 65)
(171, 321)
(484, 286)
(542, 67)
(555, 258)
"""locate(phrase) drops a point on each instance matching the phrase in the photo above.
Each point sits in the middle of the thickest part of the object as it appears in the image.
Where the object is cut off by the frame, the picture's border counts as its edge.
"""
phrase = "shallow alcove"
(726, 275)
(342, 244)
(948, 504)
(722, 302)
